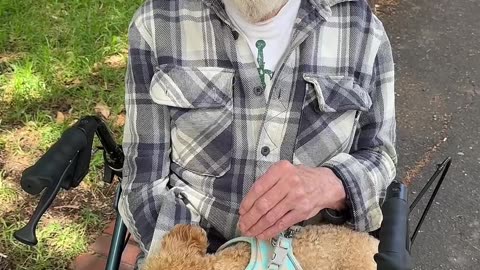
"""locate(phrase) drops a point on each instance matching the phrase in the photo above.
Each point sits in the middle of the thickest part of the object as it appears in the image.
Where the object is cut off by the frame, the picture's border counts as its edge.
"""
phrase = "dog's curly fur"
(324, 247)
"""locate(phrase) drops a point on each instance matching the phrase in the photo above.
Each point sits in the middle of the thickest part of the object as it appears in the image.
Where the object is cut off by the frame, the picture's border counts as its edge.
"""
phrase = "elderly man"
(250, 116)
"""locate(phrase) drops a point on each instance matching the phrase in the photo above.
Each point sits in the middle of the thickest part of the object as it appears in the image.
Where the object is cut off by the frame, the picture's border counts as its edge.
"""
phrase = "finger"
(263, 205)
(287, 221)
(263, 184)
(270, 218)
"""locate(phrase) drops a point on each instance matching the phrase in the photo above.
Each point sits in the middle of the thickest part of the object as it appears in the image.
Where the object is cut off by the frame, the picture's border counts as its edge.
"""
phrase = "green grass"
(56, 57)
(56, 44)
(7, 193)
(59, 242)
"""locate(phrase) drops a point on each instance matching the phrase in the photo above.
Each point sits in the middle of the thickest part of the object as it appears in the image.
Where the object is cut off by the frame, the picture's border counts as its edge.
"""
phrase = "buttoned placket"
(272, 130)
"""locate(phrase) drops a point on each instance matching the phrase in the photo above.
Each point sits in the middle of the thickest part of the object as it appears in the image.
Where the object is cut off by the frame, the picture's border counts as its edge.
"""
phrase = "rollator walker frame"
(66, 163)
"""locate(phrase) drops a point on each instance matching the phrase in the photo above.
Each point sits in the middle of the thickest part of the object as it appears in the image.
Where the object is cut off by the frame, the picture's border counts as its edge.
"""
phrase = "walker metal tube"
(118, 238)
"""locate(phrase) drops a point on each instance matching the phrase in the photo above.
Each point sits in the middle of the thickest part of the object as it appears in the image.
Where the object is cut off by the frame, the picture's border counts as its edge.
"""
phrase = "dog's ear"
(189, 238)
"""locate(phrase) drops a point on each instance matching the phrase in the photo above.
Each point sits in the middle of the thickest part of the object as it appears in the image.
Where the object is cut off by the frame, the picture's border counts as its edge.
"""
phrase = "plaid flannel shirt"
(199, 131)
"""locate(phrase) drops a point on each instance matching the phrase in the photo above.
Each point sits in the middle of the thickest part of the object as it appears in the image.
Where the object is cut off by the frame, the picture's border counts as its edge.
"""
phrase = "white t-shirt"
(267, 40)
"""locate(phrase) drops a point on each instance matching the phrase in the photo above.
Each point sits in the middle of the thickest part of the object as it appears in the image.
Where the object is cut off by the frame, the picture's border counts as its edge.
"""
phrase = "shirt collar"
(323, 6)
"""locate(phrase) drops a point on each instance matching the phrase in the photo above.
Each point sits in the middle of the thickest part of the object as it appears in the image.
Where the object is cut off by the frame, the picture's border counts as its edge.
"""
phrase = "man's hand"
(287, 194)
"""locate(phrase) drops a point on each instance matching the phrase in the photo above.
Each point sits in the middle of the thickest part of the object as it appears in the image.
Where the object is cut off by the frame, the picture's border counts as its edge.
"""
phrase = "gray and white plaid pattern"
(196, 128)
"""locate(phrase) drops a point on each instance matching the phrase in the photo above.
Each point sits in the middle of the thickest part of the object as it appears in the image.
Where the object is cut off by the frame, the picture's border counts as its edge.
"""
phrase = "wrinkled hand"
(287, 194)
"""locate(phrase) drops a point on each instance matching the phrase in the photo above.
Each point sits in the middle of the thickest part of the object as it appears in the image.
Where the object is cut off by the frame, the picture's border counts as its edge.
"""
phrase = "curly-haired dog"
(324, 247)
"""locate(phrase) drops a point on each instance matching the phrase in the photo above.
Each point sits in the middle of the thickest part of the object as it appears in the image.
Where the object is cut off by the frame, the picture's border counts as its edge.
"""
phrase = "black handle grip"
(49, 168)
(55, 169)
(393, 248)
(27, 234)
(64, 165)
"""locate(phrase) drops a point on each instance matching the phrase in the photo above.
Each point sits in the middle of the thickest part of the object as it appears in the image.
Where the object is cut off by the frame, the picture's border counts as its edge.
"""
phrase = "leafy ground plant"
(59, 61)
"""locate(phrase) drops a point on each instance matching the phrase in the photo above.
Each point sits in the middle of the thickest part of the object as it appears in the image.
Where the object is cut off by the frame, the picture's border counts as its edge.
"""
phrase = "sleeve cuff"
(364, 212)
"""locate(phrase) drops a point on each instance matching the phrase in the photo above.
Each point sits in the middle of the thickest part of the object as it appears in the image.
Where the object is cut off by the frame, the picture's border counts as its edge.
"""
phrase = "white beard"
(258, 10)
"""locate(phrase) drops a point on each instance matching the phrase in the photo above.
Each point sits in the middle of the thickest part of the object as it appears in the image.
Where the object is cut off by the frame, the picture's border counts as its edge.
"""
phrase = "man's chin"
(256, 11)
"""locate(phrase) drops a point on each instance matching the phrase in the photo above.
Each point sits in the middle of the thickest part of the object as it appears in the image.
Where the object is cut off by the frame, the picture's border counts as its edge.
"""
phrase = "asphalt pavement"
(436, 47)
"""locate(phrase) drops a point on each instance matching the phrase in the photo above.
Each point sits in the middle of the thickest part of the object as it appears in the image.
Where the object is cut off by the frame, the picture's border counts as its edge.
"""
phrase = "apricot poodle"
(322, 247)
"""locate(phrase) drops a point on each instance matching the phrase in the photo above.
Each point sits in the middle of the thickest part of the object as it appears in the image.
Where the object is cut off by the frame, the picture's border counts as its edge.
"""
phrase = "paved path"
(437, 51)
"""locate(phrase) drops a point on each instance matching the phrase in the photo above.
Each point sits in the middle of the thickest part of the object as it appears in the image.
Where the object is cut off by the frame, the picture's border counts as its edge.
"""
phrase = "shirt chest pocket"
(329, 120)
(201, 111)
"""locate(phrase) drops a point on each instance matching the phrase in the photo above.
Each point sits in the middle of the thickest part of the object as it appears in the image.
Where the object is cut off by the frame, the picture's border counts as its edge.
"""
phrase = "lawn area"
(59, 60)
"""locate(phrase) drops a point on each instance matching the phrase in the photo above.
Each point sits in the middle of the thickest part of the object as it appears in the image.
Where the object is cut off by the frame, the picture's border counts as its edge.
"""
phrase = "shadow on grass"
(28, 128)
(61, 239)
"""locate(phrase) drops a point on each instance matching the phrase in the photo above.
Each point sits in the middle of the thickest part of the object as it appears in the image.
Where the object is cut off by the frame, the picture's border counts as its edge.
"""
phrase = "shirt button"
(265, 151)
(258, 90)
(235, 35)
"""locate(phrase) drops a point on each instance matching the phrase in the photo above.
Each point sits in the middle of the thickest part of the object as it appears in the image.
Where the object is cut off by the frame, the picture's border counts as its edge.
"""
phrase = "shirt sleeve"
(370, 167)
(146, 140)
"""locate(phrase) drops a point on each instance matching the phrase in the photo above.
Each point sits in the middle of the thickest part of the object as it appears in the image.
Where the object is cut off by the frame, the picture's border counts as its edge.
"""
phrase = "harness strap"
(269, 255)
(236, 240)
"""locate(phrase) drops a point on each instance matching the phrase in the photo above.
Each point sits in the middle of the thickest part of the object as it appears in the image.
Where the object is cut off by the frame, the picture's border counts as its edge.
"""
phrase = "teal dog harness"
(274, 255)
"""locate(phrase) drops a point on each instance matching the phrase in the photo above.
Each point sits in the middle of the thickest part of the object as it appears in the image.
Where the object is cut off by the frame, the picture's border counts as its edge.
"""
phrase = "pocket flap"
(192, 87)
(339, 93)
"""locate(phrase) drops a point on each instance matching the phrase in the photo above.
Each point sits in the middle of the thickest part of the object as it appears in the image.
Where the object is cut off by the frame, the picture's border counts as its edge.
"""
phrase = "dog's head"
(189, 238)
